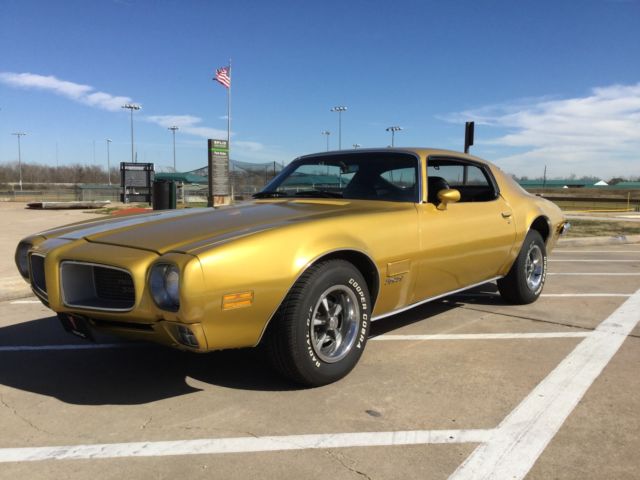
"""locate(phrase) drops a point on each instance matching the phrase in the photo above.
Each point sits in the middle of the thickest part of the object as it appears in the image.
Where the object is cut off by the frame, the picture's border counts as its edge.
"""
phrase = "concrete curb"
(588, 241)
(13, 289)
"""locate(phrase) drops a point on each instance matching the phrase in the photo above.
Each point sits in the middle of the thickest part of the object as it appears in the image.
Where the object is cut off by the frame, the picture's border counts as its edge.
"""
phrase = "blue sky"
(548, 82)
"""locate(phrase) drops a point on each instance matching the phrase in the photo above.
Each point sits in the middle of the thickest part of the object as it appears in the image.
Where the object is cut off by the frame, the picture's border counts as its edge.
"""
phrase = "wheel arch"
(363, 263)
(360, 260)
(541, 224)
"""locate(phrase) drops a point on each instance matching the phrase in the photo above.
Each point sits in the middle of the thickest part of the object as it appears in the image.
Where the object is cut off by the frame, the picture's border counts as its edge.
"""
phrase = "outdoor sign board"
(136, 180)
(218, 169)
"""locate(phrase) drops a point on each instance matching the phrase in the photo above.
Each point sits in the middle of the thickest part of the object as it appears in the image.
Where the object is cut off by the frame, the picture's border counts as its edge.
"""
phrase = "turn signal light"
(237, 300)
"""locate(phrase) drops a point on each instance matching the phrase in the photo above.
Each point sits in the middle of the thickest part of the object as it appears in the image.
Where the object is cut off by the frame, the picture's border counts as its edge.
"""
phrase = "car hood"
(190, 229)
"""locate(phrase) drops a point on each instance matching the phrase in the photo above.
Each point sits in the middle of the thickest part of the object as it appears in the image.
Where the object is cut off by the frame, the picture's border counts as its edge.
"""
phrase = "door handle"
(506, 214)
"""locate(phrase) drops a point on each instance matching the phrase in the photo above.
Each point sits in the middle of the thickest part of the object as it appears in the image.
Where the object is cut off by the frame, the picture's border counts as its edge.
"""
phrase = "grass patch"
(110, 210)
(594, 228)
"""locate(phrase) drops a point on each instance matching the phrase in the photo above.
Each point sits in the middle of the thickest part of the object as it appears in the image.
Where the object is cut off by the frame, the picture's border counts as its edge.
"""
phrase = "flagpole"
(229, 132)
(229, 113)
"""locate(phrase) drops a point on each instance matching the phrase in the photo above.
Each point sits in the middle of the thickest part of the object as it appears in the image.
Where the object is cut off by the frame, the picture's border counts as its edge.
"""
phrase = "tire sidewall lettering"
(362, 330)
(312, 354)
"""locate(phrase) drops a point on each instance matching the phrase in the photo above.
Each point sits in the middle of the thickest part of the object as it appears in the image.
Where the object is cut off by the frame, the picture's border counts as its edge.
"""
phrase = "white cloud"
(244, 150)
(75, 91)
(598, 134)
(188, 124)
(250, 146)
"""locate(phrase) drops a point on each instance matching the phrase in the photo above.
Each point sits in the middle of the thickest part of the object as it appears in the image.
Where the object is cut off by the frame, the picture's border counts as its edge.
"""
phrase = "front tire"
(524, 282)
(321, 329)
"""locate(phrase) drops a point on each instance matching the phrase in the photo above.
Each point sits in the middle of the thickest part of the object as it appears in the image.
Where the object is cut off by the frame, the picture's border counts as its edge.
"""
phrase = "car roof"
(420, 151)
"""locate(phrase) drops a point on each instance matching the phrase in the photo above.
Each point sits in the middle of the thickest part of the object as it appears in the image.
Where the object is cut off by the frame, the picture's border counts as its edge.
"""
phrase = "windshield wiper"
(269, 194)
(318, 194)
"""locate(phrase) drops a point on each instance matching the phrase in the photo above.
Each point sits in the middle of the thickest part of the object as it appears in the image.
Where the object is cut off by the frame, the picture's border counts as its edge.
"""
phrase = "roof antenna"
(468, 135)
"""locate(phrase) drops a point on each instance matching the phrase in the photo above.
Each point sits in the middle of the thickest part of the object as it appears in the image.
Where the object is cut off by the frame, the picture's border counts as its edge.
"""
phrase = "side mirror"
(450, 195)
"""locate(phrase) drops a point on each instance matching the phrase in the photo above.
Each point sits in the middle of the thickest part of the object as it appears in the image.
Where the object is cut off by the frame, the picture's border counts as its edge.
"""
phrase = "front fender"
(262, 267)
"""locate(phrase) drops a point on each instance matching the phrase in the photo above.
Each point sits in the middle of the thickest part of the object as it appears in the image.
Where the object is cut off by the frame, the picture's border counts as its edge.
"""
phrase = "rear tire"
(321, 329)
(524, 282)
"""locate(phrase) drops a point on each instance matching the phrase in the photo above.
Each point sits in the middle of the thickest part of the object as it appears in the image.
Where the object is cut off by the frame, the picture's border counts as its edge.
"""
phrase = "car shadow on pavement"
(486, 294)
(131, 374)
(125, 375)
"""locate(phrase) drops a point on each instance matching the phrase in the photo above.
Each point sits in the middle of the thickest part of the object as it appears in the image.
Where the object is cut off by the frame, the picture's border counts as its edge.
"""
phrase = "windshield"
(386, 176)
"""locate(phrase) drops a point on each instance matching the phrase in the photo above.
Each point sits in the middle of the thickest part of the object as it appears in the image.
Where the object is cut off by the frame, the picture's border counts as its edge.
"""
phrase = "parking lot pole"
(19, 134)
(108, 161)
(339, 109)
(131, 107)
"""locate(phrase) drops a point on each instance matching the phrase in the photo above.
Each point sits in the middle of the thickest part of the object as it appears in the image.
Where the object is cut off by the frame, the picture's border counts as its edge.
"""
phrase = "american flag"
(223, 76)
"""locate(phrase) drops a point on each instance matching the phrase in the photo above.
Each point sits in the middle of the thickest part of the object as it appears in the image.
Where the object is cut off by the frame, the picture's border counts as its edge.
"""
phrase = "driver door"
(469, 241)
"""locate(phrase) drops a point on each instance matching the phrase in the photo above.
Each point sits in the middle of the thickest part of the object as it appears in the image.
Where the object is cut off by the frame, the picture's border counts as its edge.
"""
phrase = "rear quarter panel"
(526, 209)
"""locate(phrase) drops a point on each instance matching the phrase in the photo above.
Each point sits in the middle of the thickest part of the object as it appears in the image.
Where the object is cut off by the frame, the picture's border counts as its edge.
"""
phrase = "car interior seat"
(434, 185)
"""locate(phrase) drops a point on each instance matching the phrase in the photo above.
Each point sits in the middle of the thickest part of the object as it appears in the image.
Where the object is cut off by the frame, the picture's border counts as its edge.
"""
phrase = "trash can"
(164, 194)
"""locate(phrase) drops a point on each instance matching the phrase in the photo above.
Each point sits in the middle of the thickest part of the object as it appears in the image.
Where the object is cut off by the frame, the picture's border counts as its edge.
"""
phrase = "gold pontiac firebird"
(335, 241)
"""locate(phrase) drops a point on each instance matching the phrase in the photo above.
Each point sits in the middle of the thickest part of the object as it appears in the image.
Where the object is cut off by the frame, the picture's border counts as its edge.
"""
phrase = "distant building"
(526, 184)
(626, 185)
(533, 184)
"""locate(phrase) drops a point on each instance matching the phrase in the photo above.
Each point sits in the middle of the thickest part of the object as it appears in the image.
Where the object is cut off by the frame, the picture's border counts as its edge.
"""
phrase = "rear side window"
(473, 182)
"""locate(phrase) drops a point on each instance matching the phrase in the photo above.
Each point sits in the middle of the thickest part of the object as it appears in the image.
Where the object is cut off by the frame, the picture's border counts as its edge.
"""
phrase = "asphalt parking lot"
(462, 388)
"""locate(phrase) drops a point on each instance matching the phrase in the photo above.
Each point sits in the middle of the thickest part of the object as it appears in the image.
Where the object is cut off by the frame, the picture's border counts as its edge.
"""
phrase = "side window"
(471, 180)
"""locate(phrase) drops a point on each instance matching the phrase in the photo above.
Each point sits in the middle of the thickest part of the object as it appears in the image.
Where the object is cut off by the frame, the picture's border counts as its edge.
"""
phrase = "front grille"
(37, 274)
(97, 287)
(113, 285)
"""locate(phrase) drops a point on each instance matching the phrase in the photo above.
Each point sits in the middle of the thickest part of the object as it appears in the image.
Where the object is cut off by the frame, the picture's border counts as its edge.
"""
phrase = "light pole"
(393, 131)
(356, 145)
(326, 133)
(132, 107)
(19, 134)
(108, 140)
(339, 109)
(173, 128)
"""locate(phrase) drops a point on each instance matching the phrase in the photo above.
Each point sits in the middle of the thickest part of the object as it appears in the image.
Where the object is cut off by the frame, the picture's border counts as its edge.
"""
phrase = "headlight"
(22, 259)
(164, 282)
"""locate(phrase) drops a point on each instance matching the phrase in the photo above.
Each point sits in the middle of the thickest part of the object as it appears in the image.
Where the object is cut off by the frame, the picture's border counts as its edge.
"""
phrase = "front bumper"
(172, 334)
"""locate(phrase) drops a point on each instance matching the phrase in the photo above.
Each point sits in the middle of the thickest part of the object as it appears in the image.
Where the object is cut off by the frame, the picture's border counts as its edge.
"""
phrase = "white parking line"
(484, 336)
(243, 445)
(595, 251)
(618, 260)
(16, 302)
(549, 295)
(79, 346)
(455, 336)
(524, 434)
(508, 451)
(607, 274)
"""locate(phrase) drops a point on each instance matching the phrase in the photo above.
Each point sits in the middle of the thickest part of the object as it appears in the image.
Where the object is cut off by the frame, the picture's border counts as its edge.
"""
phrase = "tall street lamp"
(339, 109)
(108, 140)
(19, 134)
(393, 131)
(326, 133)
(173, 128)
(132, 107)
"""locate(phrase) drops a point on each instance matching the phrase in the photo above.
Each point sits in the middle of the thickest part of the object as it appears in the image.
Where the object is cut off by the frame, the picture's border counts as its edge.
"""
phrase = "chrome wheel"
(334, 323)
(534, 267)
